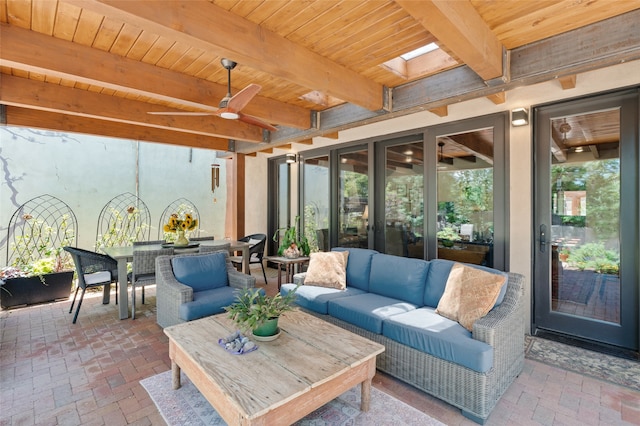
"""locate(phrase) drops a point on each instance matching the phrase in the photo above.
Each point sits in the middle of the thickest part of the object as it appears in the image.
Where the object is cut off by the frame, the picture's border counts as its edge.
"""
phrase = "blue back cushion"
(358, 266)
(437, 281)
(201, 272)
(398, 277)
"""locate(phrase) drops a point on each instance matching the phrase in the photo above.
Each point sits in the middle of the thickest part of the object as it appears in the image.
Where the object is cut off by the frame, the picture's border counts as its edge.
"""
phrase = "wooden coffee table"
(308, 365)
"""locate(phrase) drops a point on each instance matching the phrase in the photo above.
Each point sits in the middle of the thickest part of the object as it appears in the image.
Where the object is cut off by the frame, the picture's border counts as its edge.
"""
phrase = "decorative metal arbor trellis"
(123, 220)
(180, 207)
(39, 229)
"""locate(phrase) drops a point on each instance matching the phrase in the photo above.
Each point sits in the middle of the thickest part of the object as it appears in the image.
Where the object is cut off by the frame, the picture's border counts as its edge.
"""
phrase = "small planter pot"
(31, 290)
(269, 328)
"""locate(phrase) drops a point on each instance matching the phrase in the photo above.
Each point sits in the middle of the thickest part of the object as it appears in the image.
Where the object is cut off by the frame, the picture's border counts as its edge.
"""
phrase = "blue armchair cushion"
(426, 331)
(317, 298)
(358, 266)
(367, 310)
(208, 302)
(399, 278)
(203, 272)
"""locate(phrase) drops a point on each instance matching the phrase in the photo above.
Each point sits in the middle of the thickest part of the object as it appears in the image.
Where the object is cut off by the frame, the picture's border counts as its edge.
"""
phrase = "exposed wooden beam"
(459, 27)
(69, 123)
(498, 98)
(606, 44)
(305, 142)
(34, 94)
(331, 135)
(34, 52)
(441, 111)
(568, 82)
(246, 42)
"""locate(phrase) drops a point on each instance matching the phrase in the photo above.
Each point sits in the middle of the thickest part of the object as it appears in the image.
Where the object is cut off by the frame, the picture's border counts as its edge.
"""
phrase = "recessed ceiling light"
(408, 152)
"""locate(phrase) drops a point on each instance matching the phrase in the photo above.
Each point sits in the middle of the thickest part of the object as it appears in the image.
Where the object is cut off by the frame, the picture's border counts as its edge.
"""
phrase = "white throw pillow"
(328, 269)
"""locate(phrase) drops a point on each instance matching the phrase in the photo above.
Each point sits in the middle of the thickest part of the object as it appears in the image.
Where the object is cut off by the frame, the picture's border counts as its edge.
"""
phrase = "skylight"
(419, 51)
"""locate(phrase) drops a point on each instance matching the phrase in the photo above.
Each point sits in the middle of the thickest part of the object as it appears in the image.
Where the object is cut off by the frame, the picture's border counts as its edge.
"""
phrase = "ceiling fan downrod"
(228, 64)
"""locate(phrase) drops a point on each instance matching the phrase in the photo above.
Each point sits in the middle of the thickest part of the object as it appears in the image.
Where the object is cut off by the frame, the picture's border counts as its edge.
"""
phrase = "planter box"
(31, 290)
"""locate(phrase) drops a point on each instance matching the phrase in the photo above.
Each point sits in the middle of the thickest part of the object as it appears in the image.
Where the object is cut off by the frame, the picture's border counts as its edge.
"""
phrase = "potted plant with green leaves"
(448, 236)
(254, 311)
(38, 270)
(293, 244)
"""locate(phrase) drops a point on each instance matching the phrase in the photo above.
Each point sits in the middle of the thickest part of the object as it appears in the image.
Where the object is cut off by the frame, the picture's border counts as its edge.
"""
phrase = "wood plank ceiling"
(101, 66)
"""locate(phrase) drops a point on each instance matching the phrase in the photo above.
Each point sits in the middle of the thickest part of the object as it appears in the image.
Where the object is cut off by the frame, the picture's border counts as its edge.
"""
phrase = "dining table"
(124, 254)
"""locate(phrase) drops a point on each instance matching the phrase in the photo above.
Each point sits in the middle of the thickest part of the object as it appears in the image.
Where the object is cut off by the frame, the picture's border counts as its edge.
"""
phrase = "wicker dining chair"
(256, 251)
(93, 270)
(144, 270)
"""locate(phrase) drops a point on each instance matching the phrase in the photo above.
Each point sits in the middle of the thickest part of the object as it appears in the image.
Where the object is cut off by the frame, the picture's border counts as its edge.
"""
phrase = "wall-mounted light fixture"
(291, 158)
(215, 177)
(519, 117)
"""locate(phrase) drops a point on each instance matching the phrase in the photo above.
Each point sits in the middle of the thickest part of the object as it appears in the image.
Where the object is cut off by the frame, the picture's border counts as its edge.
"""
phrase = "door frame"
(627, 334)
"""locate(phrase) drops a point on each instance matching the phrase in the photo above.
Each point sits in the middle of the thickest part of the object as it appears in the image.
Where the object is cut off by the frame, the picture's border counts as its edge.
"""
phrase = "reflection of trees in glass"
(355, 193)
(603, 198)
(601, 181)
(403, 201)
(311, 226)
(316, 199)
(355, 184)
(467, 197)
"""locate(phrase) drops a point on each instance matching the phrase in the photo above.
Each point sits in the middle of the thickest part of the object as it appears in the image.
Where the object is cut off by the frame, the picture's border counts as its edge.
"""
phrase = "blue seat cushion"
(201, 272)
(426, 331)
(437, 281)
(399, 278)
(316, 298)
(358, 266)
(208, 302)
(367, 310)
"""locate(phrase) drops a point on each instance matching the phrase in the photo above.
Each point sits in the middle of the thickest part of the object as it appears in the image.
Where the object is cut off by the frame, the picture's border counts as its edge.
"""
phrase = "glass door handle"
(543, 238)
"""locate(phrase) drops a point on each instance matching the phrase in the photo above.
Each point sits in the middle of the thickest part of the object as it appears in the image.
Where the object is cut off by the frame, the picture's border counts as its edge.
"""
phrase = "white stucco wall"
(87, 171)
(521, 160)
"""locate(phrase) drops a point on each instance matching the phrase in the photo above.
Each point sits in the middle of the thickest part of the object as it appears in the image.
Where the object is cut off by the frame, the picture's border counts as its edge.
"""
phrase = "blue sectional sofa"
(392, 300)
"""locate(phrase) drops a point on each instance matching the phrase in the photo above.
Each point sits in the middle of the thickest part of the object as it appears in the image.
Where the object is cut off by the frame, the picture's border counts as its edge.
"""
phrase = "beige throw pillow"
(328, 269)
(469, 295)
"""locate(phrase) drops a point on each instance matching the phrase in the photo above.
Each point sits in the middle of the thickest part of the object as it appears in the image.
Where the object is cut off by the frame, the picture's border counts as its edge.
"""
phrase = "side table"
(290, 265)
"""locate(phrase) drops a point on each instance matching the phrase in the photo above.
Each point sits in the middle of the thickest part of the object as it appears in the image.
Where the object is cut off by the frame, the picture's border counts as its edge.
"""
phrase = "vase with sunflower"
(180, 226)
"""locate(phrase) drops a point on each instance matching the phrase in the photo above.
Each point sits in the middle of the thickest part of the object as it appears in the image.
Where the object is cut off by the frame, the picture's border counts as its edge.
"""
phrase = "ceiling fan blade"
(256, 122)
(186, 113)
(243, 97)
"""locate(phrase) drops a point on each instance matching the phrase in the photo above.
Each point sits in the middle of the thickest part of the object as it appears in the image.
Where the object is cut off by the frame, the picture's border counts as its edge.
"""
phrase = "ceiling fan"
(230, 107)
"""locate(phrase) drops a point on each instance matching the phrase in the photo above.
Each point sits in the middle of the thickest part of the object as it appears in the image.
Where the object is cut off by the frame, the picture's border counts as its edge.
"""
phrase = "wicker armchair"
(171, 294)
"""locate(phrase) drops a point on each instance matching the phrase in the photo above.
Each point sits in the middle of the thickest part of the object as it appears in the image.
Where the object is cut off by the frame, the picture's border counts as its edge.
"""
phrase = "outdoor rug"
(187, 406)
(609, 368)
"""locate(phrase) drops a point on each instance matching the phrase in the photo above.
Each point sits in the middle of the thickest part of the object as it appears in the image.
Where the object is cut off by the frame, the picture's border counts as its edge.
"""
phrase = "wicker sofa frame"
(476, 394)
(170, 293)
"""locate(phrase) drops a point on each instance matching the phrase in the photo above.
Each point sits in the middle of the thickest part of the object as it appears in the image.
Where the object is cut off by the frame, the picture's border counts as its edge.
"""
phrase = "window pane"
(465, 197)
(316, 203)
(585, 230)
(353, 199)
(404, 189)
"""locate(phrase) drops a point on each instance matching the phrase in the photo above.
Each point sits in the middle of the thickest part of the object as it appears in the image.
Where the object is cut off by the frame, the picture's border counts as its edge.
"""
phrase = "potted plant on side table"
(293, 243)
(256, 312)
